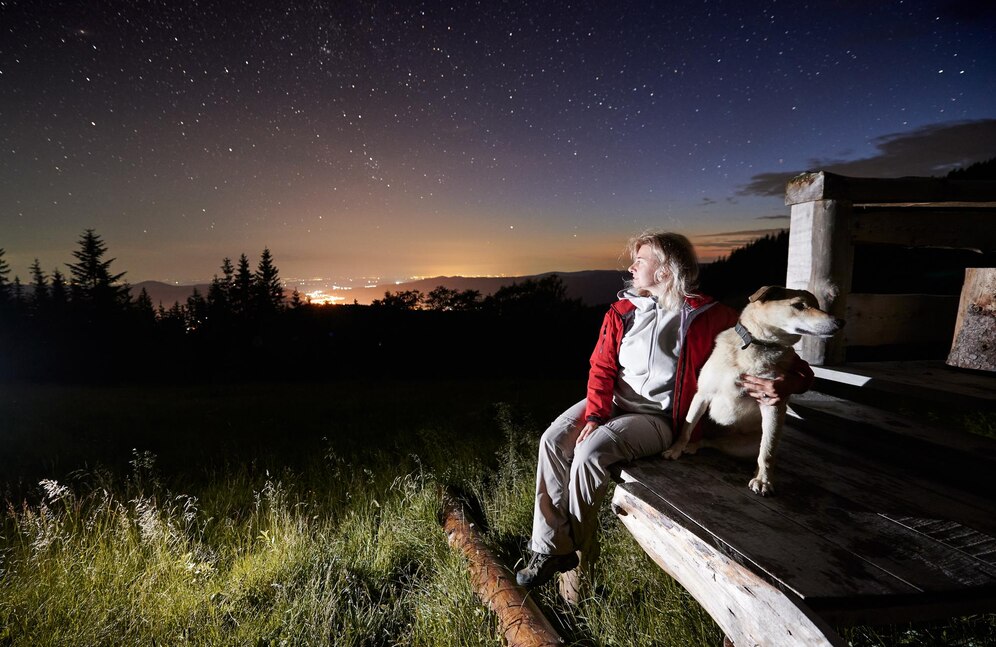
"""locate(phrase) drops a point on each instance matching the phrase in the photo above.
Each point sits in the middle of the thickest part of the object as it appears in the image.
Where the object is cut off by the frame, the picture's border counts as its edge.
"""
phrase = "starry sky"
(396, 139)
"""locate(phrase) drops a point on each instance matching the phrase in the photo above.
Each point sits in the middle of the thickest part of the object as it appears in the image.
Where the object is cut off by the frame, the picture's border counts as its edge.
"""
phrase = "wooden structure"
(832, 214)
(877, 518)
(974, 341)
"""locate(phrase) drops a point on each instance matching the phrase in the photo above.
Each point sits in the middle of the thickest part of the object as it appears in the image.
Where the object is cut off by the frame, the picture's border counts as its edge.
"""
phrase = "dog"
(760, 344)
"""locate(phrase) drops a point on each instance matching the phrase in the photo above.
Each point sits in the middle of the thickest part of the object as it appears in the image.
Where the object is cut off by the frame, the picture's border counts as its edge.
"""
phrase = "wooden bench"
(877, 518)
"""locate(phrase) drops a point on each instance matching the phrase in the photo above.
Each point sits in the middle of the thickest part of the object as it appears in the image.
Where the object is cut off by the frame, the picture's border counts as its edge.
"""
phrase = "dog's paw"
(761, 486)
(674, 453)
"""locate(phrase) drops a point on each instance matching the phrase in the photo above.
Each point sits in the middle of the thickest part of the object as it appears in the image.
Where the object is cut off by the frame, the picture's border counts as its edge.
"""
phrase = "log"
(522, 623)
(974, 342)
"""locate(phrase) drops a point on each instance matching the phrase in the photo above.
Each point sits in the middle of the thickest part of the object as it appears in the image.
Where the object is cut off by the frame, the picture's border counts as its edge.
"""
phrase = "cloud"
(784, 216)
(930, 150)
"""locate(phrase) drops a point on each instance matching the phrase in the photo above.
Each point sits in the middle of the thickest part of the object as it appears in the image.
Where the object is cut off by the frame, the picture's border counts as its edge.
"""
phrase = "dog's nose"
(840, 322)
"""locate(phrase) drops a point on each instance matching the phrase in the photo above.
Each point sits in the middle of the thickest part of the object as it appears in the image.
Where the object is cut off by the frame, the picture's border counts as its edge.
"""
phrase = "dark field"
(295, 514)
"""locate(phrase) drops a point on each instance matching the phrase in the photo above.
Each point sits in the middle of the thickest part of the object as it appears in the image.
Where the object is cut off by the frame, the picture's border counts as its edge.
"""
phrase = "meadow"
(298, 514)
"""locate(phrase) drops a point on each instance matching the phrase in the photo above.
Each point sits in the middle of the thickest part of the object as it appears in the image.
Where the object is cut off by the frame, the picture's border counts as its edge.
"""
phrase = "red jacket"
(703, 319)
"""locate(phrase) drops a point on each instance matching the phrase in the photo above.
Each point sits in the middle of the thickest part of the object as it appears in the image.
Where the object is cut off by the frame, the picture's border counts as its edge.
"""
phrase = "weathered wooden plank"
(932, 562)
(888, 488)
(750, 610)
(821, 185)
(959, 228)
(920, 560)
(930, 381)
(850, 422)
(968, 541)
(738, 522)
(877, 319)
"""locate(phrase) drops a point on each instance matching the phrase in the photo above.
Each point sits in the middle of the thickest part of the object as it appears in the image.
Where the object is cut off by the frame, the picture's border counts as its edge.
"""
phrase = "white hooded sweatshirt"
(648, 357)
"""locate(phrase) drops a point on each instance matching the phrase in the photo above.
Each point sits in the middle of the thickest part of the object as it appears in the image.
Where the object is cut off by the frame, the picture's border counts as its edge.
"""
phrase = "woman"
(644, 370)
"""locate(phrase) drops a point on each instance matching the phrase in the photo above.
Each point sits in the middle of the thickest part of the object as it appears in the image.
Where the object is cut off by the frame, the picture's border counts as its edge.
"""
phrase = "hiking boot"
(542, 567)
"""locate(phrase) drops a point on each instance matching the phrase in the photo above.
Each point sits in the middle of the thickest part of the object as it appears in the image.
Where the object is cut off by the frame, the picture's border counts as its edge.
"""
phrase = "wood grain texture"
(974, 338)
(957, 228)
(879, 319)
(926, 381)
(821, 185)
(522, 623)
(749, 609)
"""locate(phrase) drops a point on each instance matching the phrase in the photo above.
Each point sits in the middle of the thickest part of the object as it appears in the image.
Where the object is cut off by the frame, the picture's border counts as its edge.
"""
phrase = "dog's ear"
(767, 293)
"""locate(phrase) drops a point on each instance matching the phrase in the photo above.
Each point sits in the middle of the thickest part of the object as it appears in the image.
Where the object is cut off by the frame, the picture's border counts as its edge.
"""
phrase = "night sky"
(398, 139)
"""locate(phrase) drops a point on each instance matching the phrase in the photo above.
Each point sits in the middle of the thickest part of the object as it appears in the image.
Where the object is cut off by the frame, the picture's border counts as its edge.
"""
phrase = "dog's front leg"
(696, 410)
(772, 418)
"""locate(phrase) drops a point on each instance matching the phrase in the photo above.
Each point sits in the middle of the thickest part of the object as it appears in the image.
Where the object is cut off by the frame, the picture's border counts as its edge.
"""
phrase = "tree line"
(84, 324)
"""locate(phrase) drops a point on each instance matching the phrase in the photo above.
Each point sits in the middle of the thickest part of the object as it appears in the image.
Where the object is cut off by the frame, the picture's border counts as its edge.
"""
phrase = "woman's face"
(643, 268)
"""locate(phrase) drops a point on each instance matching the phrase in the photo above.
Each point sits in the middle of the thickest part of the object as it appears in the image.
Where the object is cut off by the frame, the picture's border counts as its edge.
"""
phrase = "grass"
(299, 515)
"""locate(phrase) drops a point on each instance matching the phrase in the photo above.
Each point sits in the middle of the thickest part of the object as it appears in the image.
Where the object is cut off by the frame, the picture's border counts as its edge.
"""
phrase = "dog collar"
(749, 338)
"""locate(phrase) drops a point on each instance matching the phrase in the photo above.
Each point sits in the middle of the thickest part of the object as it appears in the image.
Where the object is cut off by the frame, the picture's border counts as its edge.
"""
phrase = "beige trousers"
(571, 479)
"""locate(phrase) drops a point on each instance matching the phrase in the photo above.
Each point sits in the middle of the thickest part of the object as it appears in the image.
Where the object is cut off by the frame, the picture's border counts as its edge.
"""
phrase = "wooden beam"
(821, 260)
(880, 319)
(821, 185)
(522, 623)
(927, 381)
(750, 610)
(917, 227)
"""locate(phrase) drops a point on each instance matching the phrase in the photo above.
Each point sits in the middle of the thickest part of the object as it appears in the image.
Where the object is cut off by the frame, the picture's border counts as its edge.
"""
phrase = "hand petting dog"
(774, 391)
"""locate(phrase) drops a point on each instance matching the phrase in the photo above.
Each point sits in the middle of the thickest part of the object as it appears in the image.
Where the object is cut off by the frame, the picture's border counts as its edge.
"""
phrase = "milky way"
(397, 139)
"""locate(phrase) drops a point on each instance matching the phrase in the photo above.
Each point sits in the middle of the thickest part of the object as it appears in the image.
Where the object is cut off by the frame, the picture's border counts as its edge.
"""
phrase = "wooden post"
(522, 623)
(821, 260)
(974, 342)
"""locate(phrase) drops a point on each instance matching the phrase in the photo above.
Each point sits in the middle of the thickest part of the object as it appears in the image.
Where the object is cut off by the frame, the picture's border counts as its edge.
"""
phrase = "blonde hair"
(676, 260)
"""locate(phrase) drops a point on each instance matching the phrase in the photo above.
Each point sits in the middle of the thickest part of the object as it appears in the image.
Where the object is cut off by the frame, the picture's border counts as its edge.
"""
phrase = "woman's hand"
(772, 391)
(586, 431)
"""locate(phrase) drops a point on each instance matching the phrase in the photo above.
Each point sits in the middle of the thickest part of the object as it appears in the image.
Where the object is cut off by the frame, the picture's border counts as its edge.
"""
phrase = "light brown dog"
(761, 345)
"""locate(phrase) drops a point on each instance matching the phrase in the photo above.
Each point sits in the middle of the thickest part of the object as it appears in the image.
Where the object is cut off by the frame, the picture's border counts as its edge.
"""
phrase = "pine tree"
(219, 296)
(91, 280)
(296, 301)
(268, 291)
(58, 292)
(18, 292)
(39, 287)
(197, 310)
(242, 285)
(4, 272)
(144, 310)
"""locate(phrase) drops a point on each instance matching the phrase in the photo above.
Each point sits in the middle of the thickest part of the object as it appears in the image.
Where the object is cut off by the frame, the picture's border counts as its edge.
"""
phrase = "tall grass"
(340, 547)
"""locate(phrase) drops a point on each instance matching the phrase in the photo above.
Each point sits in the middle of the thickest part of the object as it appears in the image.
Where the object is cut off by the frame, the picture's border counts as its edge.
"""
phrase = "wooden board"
(748, 608)
(957, 228)
(927, 380)
(820, 185)
(752, 533)
(850, 420)
(887, 488)
(879, 319)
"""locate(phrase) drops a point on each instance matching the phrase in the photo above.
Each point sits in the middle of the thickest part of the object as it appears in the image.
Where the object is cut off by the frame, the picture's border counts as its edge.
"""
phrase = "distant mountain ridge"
(593, 287)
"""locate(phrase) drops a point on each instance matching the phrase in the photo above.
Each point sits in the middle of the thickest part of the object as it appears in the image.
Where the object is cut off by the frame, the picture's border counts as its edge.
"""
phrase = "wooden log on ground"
(522, 623)
(974, 343)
